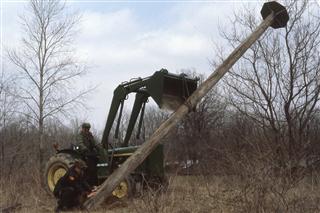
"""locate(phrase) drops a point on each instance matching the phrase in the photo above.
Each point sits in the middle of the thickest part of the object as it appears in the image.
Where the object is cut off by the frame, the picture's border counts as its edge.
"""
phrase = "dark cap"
(86, 125)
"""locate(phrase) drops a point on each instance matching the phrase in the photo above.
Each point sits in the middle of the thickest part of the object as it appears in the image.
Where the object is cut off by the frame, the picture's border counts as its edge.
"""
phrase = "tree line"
(264, 116)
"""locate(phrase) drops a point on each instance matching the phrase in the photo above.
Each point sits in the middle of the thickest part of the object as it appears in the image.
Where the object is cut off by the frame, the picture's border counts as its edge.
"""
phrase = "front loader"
(168, 91)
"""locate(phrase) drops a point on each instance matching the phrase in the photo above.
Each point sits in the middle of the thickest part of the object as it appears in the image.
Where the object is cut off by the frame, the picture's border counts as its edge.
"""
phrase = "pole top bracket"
(281, 16)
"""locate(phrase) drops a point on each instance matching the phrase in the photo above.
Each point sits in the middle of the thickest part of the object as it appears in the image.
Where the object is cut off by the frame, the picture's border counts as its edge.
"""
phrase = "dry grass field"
(185, 194)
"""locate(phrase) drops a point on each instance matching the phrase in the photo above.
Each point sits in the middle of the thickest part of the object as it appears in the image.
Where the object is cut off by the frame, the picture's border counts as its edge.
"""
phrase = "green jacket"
(86, 143)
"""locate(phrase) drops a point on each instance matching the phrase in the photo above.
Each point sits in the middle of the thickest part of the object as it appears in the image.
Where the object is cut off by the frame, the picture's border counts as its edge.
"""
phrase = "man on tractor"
(89, 149)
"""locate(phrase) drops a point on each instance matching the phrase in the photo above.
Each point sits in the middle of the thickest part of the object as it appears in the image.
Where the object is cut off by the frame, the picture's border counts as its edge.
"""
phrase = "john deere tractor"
(168, 91)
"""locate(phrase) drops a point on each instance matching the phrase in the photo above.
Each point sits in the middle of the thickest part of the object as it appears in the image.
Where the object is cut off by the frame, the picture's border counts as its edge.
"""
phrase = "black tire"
(55, 168)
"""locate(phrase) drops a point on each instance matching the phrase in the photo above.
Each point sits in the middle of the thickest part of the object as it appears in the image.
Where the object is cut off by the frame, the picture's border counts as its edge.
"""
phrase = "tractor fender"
(71, 152)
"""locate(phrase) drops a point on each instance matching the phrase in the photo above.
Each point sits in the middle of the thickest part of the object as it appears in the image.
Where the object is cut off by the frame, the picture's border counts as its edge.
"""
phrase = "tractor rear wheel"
(56, 167)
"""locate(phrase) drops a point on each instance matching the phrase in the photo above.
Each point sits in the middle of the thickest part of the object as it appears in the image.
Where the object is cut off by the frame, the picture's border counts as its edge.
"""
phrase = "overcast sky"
(120, 41)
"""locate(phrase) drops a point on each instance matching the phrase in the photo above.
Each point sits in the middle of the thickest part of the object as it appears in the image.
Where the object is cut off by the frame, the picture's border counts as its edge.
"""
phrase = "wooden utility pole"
(274, 15)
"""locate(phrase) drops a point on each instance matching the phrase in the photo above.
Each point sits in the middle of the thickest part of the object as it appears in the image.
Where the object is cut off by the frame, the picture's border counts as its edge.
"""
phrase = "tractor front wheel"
(124, 189)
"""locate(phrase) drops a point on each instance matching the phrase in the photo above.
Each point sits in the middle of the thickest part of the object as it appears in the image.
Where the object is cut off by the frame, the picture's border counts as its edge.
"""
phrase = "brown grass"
(185, 194)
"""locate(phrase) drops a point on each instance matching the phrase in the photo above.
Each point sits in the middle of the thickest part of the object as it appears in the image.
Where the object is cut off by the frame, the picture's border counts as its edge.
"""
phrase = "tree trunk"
(41, 149)
(41, 121)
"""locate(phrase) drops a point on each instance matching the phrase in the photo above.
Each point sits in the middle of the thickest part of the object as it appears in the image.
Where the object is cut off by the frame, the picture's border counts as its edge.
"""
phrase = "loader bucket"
(168, 90)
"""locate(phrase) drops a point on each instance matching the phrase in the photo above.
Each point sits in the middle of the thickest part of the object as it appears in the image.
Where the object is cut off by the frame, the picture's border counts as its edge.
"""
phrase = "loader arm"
(138, 108)
(166, 89)
(119, 96)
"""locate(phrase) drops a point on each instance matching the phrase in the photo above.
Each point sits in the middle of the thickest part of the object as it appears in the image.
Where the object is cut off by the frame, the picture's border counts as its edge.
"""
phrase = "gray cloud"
(119, 45)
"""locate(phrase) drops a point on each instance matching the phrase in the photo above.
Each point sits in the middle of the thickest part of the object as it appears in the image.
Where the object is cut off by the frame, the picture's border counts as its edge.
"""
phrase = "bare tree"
(152, 120)
(46, 64)
(8, 106)
(200, 126)
(276, 83)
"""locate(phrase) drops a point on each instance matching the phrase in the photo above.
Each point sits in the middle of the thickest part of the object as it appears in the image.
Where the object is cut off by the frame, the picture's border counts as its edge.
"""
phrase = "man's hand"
(93, 191)
(91, 194)
(95, 188)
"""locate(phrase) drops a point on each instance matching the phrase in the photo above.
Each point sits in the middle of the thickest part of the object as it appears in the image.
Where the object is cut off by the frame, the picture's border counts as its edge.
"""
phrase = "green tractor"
(168, 91)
